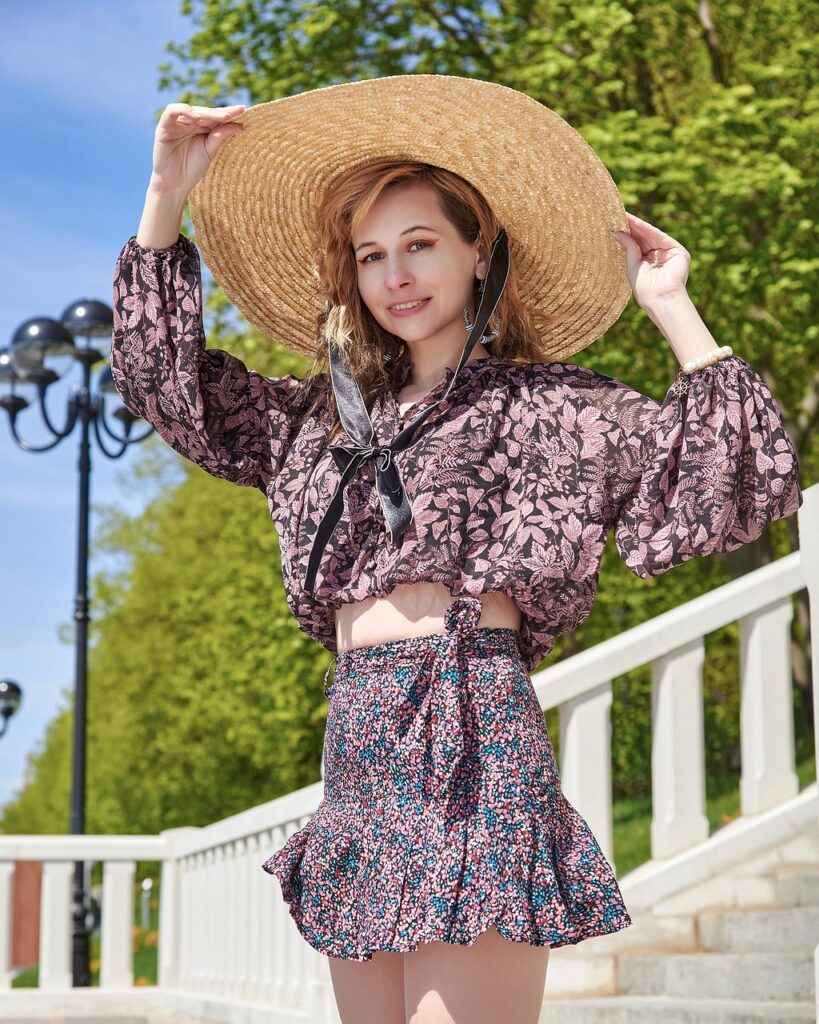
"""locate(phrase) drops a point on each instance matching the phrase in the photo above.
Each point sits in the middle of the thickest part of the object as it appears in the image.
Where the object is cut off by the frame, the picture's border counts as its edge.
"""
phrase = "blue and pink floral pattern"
(442, 811)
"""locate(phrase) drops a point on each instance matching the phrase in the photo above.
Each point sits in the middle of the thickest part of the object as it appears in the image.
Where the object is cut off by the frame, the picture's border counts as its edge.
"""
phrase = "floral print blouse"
(515, 479)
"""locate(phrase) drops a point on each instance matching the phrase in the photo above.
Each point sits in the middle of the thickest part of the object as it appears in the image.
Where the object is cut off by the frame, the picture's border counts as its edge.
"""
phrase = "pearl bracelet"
(680, 385)
(713, 357)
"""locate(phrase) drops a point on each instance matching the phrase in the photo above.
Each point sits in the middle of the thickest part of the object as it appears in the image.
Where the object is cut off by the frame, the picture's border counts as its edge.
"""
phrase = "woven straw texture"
(254, 209)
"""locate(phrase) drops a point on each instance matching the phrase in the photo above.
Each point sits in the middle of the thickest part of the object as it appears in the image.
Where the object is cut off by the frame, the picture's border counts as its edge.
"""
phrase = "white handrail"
(225, 935)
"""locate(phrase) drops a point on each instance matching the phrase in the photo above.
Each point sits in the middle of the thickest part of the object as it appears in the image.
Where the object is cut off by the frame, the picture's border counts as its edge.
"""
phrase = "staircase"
(726, 923)
(728, 965)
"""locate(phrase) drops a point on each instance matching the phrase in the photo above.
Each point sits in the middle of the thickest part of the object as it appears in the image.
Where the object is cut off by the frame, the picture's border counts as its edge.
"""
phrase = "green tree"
(43, 806)
(205, 695)
(707, 116)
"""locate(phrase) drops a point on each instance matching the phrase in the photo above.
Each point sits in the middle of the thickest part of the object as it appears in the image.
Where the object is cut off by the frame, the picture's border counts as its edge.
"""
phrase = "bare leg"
(492, 980)
(369, 992)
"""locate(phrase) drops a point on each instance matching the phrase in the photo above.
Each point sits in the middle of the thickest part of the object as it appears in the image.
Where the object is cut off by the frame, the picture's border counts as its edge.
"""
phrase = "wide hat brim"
(254, 210)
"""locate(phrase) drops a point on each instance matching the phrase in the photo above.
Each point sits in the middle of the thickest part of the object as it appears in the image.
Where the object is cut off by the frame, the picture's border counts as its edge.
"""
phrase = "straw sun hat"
(254, 209)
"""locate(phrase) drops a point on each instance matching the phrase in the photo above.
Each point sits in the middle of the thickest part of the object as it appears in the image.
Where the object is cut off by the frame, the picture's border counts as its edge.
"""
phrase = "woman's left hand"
(656, 263)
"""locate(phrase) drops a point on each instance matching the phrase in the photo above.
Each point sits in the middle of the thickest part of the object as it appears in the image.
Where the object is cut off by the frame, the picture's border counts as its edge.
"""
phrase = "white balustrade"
(56, 925)
(198, 914)
(275, 935)
(809, 561)
(171, 948)
(216, 921)
(225, 933)
(6, 884)
(256, 895)
(766, 708)
(678, 818)
(585, 760)
(117, 916)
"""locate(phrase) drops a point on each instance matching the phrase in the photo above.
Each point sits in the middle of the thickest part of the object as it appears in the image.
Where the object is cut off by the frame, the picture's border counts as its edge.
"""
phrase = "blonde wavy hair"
(378, 360)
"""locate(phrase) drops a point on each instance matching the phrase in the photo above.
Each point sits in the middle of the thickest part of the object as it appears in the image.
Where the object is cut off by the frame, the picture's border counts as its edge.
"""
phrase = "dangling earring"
(486, 339)
(469, 326)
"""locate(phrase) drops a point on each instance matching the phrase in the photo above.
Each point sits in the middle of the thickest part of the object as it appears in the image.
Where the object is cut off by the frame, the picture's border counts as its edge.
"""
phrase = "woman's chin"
(417, 333)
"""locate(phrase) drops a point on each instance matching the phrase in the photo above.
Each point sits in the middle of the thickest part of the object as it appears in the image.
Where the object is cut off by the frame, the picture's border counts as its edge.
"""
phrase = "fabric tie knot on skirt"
(433, 721)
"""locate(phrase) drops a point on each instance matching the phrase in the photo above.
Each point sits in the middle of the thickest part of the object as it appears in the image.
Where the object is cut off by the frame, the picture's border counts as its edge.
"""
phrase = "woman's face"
(406, 250)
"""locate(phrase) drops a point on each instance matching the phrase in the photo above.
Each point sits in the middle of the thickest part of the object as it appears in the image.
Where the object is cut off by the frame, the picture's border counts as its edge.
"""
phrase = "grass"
(143, 943)
(632, 818)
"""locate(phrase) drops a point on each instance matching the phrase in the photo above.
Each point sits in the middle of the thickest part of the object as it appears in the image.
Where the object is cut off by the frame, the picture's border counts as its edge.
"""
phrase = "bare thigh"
(492, 980)
(369, 991)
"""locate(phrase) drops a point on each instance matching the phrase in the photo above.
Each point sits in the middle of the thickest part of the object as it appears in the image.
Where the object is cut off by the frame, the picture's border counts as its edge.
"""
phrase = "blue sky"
(79, 84)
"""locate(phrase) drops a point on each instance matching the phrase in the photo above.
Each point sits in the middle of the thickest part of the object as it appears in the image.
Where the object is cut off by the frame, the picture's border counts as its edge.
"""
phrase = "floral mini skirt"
(442, 811)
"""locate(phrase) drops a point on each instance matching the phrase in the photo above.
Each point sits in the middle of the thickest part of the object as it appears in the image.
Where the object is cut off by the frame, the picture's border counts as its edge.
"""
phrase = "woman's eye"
(418, 242)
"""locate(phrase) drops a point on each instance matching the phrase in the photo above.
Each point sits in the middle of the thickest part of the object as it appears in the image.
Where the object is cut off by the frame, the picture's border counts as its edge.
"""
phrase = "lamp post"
(22, 365)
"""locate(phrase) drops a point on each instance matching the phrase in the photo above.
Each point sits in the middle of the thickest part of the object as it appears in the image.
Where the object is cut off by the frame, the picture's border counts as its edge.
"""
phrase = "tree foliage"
(707, 116)
(205, 697)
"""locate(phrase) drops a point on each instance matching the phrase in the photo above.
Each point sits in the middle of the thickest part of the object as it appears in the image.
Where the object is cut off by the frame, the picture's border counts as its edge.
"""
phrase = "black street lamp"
(21, 365)
(10, 697)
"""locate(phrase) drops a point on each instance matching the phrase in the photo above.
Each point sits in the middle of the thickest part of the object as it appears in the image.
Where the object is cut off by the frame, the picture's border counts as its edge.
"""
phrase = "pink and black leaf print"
(205, 403)
(515, 480)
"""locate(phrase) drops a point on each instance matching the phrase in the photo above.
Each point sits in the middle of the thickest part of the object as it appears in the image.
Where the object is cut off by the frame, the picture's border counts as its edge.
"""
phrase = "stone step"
(664, 1010)
(647, 934)
(150, 1016)
(798, 885)
(791, 929)
(756, 976)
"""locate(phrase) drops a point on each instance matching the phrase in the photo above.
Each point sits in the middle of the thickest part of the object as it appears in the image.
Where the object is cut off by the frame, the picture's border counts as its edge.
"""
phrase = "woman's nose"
(397, 274)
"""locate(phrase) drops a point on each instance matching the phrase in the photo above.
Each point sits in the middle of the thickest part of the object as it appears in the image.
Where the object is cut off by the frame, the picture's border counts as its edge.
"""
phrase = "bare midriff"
(413, 609)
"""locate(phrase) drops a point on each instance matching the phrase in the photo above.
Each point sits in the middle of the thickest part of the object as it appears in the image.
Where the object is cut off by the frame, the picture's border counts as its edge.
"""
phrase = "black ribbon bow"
(356, 421)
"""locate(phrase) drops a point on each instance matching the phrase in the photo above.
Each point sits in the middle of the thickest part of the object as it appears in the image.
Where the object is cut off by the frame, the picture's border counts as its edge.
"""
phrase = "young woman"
(442, 490)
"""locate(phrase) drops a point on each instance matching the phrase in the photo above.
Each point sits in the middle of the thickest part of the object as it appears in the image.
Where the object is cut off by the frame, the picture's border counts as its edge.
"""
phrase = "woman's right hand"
(185, 141)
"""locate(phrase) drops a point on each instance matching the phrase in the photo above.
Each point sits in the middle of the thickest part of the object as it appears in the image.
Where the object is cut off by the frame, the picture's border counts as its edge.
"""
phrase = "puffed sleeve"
(204, 402)
(706, 470)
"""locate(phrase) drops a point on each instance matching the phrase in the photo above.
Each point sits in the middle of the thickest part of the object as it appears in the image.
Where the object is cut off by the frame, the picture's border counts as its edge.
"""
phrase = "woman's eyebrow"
(415, 227)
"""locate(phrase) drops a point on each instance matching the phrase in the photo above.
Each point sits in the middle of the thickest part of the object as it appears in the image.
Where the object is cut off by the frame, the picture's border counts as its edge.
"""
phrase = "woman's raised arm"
(701, 472)
(205, 403)
(185, 141)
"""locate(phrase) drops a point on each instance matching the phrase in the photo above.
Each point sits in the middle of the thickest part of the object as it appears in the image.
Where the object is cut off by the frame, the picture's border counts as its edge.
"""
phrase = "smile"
(407, 308)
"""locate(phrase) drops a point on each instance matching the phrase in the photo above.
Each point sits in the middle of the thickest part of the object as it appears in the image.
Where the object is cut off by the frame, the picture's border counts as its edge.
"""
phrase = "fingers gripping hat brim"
(254, 210)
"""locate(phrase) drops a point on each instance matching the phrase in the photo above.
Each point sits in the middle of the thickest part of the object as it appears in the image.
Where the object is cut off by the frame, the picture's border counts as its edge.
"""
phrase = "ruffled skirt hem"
(358, 882)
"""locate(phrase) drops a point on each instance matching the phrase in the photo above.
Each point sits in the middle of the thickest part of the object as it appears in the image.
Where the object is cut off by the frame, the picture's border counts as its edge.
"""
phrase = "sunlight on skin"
(433, 262)
(492, 980)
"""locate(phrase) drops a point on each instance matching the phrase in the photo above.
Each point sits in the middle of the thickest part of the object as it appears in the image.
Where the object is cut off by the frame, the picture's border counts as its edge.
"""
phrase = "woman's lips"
(410, 312)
